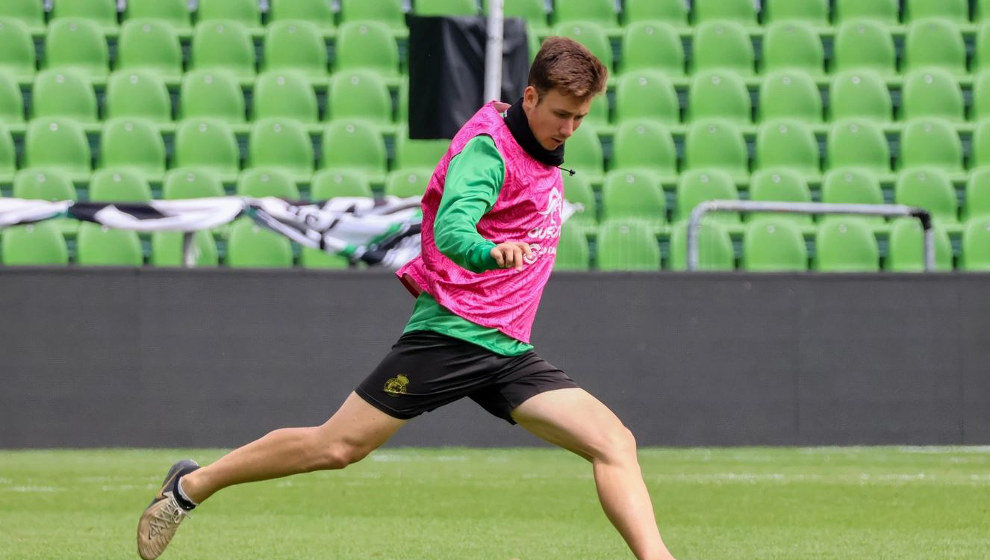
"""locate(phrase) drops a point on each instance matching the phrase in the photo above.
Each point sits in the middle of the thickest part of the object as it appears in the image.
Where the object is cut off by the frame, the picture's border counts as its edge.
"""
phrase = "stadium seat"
(100, 12)
(118, 185)
(739, 11)
(793, 45)
(244, 12)
(445, 8)
(695, 187)
(387, 12)
(572, 248)
(8, 155)
(779, 185)
(883, 11)
(315, 258)
(57, 143)
(934, 43)
(284, 94)
(864, 45)
(976, 202)
(956, 11)
(281, 144)
(715, 250)
(813, 12)
(166, 249)
(789, 95)
(597, 116)
(39, 244)
(905, 251)
(927, 188)
(981, 47)
(533, 11)
(979, 155)
(263, 182)
(646, 94)
(650, 45)
(209, 144)
(583, 153)
(787, 144)
(252, 246)
(980, 108)
(853, 186)
(673, 12)
(645, 146)
(181, 183)
(137, 94)
(975, 255)
(316, 12)
(773, 245)
(722, 45)
(133, 144)
(17, 57)
(408, 182)
(418, 153)
(64, 93)
(634, 195)
(859, 94)
(858, 143)
(577, 190)
(174, 12)
(211, 94)
(601, 12)
(931, 142)
(102, 246)
(329, 184)
(222, 45)
(11, 101)
(719, 94)
(31, 13)
(932, 92)
(361, 95)
(295, 45)
(592, 36)
(715, 144)
(846, 245)
(367, 45)
(77, 44)
(627, 245)
(48, 184)
(356, 146)
(148, 44)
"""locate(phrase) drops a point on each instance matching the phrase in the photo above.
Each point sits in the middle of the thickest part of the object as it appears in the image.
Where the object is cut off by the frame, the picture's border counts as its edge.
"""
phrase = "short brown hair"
(568, 66)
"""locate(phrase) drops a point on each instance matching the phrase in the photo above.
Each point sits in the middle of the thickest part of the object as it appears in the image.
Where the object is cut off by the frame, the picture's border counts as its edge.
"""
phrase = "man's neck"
(515, 119)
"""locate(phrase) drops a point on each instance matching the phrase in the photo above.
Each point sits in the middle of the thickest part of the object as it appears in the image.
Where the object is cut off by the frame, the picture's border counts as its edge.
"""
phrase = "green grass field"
(526, 504)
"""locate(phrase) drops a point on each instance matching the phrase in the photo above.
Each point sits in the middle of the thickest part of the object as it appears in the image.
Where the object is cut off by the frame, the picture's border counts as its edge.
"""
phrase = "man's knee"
(616, 444)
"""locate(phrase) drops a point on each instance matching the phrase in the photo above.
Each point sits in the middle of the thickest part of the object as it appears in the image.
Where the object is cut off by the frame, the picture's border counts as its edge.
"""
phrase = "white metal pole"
(493, 52)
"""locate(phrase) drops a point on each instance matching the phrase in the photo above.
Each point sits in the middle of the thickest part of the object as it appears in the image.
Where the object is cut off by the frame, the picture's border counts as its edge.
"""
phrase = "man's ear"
(530, 98)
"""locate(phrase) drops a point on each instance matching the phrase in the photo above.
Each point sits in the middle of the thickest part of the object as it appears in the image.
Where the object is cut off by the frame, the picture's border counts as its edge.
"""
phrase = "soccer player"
(491, 222)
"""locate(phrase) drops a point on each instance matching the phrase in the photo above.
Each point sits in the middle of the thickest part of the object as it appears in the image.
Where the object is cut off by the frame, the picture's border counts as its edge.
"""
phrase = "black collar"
(515, 119)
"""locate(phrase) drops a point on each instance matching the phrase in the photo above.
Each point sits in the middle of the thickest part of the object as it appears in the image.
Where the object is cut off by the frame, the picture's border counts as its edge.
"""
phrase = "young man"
(491, 221)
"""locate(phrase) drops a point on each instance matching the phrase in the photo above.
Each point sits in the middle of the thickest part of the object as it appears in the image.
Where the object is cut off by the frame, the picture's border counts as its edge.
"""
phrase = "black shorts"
(426, 370)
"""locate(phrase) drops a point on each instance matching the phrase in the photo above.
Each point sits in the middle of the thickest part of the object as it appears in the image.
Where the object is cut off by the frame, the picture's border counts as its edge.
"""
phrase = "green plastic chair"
(716, 144)
(787, 144)
(583, 153)
(673, 12)
(207, 144)
(980, 146)
(329, 184)
(577, 190)
(284, 94)
(8, 155)
(533, 11)
(601, 12)
(133, 144)
(719, 94)
(932, 92)
(180, 184)
(644, 146)
(722, 45)
(100, 12)
(627, 245)
(858, 143)
(813, 12)
(853, 186)
(30, 13)
(39, 244)
(789, 94)
(418, 153)
(166, 249)
(956, 11)
(859, 94)
(244, 12)
(387, 12)
(281, 144)
(138, 94)
(591, 35)
(17, 57)
(864, 45)
(928, 142)
(935, 43)
(883, 11)
(715, 250)
(981, 47)
(976, 201)
(695, 187)
(846, 245)
(905, 252)
(927, 188)
(445, 8)
(77, 44)
(295, 45)
(252, 246)
(103, 246)
(222, 45)
(317, 12)
(359, 94)
(981, 10)
(63, 93)
(572, 248)
(317, 259)
(793, 45)
(48, 184)
(356, 146)
(779, 185)
(634, 195)
(975, 255)
(408, 182)
(11, 101)
(773, 245)
(174, 12)
(262, 182)
(367, 45)
(152, 45)
(980, 109)
(118, 185)
(211, 94)
(59, 144)
(652, 45)
(646, 94)
(739, 11)
(597, 116)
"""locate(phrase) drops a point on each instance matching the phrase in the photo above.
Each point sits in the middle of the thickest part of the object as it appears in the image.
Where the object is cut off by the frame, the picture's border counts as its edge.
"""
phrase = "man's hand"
(512, 254)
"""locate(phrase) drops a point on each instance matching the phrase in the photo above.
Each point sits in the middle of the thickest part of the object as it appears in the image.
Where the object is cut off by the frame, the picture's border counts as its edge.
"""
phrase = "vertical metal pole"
(930, 248)
(493, 52)
(188, 249)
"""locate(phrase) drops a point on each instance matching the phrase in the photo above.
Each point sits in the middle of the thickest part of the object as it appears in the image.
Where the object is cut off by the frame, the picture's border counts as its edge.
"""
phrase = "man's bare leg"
(578, 422)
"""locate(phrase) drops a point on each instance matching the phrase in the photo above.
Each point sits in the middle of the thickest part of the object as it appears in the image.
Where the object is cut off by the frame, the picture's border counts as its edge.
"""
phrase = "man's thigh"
(571, 418)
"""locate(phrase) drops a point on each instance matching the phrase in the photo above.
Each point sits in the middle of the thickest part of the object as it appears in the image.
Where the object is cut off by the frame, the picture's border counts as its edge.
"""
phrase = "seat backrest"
(284, 94)
(211, 94)
(129, 143)
(723, 45)
(931, 142)
(981, 48)
(222, 45)
(792, 45)
(317, 12)
(858, 143)
(410, 181)
(149, 44)
(191, 183)
(8, 153)
(853, 186)
(138, 94)
(295, 45)
(773, 245)
(11, 100)
(58, 143)
(715, 250)
(39, 244)
(779, 185)
(359, 94)
(652, 45)
(814, 12)
(281, 143)
(934, 42)
(44, 184)
(533, 11)
(975, 255)
(976, 202)
(174, 12)
(102, 246)
(17, 55)
(932, 92)
(956, 11)
(927, 188)
(790, 94)
(445, 8)
(883, 11)
(633, 195)
(979, 154)
(252, 246)
(352, 144)
(245, 12)
(859, 94)
(583, 152)
(101, 12)
(719, 94)
(674, 12)
(716, 144)
(64, 93)
(980, 108)
(646, 94)
(77, 43)
(864, 44)
(846, 245)
(206, 143)
(29, 12)
(787, 144)
(740, 11)
(572, 248)
(263, 182)
(367, 45)
(695, 187)
(627, 245)
(905, 251)
(591, 35)
(329, 184)
(645, 145)
(166, 249)
(601, 12)
(388, 12)
(118, 185)
(577, 190)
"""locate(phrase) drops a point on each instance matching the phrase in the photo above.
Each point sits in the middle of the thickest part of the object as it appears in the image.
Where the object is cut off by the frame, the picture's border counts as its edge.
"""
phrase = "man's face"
(555, 117)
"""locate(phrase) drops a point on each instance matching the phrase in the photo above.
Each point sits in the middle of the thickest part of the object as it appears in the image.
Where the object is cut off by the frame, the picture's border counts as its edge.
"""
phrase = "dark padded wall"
(155, 357)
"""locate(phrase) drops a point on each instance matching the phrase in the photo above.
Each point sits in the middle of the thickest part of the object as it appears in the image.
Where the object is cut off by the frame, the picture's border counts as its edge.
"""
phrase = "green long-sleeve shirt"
(474, 180)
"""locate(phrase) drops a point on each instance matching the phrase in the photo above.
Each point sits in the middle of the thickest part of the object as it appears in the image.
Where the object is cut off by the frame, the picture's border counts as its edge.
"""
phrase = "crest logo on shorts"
(397, 385)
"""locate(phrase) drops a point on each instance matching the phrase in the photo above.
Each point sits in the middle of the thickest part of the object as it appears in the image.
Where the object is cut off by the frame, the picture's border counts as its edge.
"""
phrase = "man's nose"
(567, 128)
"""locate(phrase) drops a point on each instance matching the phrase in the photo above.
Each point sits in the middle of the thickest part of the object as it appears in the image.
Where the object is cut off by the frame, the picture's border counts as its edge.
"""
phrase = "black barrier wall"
(155, 357)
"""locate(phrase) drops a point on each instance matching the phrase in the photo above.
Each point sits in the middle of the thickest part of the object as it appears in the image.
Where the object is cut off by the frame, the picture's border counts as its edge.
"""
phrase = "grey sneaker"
(162, 516)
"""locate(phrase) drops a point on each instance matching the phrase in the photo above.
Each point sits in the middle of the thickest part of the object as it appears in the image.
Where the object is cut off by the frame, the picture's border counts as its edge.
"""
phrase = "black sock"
(183, 500)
